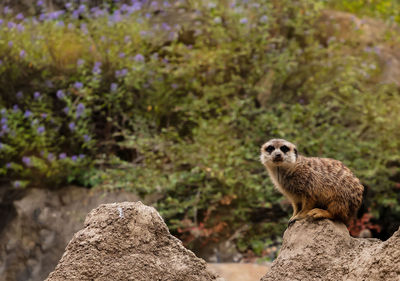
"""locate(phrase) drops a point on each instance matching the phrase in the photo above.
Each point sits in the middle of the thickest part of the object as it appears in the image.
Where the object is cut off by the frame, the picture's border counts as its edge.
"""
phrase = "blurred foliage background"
(173, 99)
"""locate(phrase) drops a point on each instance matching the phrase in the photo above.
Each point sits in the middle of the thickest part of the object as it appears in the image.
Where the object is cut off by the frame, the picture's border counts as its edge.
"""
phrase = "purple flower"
(127, 39)
(49, 84)
(98, 12)
(86, 138)
(165, 26)
(20, 27)
(71, 25)
(1, 145)
(74, 158)
(121, 55)
(71, 126)
(62, 155)
(66, 109)
(81, 156)
(7, 10)
(27, 161)
(4, 128)
(10, 44)
(68, 5)
(36, 95)
(39, 3)
(8, 165)
(243, 20)
(78, 85)
(17, 184)
(3, 121)
(154, 4)
(139, 58)
(121, 73)
(171, 36)
(50, 157)
(43, 115)
(75, 14)
(116, 17)
(40, 129)
(19, 16)
(54, 15)
(80, 62)
(124, 8)
(1, 21)
(22, 53)
(79, 110)
(11, 24)
(19, 95)
(60, 94)
(136, 6)
(113, 87)
(27, 114)
(81, 8)
(84, 28)
(97, 68)
(15, 108)
(264, 19)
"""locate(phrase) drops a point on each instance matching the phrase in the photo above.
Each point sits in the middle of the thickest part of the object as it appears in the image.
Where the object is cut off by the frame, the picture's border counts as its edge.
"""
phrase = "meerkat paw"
(319, 214)
(293, 219)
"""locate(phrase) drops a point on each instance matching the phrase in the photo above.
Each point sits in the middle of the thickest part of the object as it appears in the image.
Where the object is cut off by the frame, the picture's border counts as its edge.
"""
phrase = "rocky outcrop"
(371, 36)
(37, 224)
(239, 271)
(324, 250)
(128, 241)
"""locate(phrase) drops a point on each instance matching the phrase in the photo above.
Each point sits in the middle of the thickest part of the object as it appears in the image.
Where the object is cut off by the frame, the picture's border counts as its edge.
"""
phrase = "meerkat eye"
(284, 148)
(269, 148)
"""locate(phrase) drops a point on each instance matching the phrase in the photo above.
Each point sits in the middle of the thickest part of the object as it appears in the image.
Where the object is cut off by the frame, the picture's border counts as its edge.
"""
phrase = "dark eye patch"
(269, 148)
(284, 148)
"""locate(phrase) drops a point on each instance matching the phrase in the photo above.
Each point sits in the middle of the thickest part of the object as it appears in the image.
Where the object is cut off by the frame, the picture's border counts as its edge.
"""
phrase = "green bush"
(178, 113)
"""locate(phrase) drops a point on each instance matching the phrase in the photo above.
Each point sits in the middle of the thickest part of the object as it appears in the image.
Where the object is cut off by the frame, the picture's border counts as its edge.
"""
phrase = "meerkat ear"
(295, 153)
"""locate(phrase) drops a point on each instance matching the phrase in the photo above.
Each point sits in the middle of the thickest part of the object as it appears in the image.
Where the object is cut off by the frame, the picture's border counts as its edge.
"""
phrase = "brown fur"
(316, 187)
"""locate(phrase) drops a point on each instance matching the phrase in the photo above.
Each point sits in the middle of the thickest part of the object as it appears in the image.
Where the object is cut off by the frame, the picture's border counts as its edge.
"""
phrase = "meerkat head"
(278, 152)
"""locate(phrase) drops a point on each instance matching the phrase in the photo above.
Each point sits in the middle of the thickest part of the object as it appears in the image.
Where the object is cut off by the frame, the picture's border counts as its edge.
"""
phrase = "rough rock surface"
(239, 271)
(324, 250)
(37, 224)
(371, 35)
(128, 241)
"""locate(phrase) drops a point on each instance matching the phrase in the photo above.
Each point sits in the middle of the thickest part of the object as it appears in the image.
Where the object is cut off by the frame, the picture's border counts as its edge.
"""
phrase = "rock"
(324, 250)
(128, 241)
(239, 271)
(38, 224)
(370, 35)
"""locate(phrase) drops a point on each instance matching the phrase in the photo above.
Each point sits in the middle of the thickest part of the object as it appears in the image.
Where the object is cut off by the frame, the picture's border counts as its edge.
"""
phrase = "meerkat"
(316, 187)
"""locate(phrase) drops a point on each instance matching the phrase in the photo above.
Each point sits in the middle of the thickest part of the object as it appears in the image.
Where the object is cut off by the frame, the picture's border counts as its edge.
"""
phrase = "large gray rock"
(39, 225)
(324, 250)
(370, 35)
(128, 241)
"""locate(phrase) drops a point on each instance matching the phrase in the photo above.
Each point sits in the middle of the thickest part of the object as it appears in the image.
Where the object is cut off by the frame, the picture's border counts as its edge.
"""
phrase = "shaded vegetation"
(130, 97)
